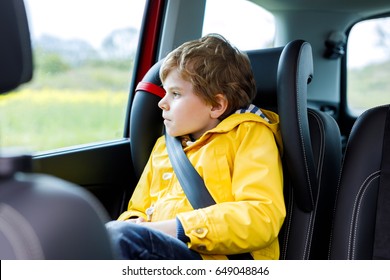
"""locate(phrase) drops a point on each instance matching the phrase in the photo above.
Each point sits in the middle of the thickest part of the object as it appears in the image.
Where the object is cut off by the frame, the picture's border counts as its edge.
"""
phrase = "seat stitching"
(288, 226)
(297, 81)
(19, 233)
(310, 228)
(337, 198)
(322, 131)
(319, 164)
(308, 238)
(356, 211)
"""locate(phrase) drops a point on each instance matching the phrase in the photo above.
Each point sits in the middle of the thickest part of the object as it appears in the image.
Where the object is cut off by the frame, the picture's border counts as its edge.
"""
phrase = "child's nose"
(163, 104)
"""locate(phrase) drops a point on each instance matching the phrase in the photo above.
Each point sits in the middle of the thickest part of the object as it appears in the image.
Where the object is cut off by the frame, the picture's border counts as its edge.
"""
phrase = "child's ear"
(220, 108)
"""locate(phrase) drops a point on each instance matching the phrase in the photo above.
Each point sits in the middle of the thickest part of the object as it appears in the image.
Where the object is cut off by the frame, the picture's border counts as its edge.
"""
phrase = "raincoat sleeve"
(140, 199)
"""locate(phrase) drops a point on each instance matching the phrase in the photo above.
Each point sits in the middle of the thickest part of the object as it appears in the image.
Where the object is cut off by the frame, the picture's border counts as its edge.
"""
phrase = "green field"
(369, 86)
(52, 118)
(66, 104)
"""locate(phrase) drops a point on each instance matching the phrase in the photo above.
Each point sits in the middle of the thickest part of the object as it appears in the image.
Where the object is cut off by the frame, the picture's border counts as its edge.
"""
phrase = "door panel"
(105, 170)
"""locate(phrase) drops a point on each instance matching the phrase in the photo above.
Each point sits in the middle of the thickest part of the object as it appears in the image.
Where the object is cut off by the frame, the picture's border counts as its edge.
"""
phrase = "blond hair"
(213, 66)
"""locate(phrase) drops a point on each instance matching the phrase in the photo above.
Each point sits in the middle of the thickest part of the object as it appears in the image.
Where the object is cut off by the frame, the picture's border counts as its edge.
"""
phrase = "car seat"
(359, 192)
(41, 217)
(312, 142)
(15, 47)
(312, 148)
(146, 122)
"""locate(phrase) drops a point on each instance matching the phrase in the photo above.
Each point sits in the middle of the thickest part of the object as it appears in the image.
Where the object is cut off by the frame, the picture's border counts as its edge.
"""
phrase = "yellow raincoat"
(240, 163)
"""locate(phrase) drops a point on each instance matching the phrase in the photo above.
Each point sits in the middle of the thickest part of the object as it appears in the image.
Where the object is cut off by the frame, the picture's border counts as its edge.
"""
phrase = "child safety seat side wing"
(146, 122)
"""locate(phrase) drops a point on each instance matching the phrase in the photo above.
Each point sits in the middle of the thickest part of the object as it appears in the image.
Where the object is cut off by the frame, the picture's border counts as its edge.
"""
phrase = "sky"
(114, 14)
(68, 19)
(366, 47)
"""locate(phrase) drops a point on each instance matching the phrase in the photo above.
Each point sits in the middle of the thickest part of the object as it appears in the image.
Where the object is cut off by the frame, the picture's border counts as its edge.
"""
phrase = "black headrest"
(295, 72)
(264, 64)
(15, 47)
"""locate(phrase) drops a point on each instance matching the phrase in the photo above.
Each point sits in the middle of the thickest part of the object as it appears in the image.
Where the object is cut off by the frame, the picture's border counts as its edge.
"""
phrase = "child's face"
(184, 112)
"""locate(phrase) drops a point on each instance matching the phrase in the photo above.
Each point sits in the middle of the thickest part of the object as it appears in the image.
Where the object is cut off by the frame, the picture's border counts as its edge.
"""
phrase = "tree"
(383, 31)
(73, 51)
(120, 44)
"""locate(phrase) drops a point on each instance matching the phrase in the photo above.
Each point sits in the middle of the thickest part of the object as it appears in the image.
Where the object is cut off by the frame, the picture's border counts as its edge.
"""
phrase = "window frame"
(347, 117)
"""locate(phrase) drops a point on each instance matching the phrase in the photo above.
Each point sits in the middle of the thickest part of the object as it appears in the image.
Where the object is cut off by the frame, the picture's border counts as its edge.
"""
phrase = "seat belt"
(381, 250)
(191, 182)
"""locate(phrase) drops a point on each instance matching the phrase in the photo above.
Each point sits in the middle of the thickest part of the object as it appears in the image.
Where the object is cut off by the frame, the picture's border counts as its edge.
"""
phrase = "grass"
(47, 119)
(369, 87)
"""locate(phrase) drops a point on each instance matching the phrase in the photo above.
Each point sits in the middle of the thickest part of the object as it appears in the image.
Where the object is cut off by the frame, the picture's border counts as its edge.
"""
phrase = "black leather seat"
(41, 217)
(312, 143)
(353, 233)
(313, 154)
(312, 148)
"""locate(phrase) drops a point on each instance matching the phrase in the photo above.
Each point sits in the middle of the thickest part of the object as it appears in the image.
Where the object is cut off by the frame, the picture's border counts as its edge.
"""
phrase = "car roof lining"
(362, 7)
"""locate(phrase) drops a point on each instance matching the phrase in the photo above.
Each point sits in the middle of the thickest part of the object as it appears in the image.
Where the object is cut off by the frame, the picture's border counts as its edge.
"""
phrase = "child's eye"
(175, 94)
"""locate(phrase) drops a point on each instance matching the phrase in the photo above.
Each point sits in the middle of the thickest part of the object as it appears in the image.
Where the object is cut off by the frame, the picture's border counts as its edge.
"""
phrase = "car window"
(245, 24)
(368, 64)
(83, 61)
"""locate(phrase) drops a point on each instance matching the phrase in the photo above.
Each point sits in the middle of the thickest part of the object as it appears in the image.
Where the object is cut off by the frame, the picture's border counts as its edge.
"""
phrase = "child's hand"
(168, 227)
(138, 220)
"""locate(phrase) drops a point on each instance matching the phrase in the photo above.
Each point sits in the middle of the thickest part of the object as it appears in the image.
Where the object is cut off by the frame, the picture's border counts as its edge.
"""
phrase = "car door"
(73, 115)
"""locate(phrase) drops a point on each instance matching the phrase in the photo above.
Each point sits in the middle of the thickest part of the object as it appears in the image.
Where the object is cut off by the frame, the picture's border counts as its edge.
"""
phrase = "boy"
(209, 87)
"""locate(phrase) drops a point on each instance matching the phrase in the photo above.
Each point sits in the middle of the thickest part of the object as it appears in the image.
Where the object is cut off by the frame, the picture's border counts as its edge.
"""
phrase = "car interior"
(336, 163)
(41, 216)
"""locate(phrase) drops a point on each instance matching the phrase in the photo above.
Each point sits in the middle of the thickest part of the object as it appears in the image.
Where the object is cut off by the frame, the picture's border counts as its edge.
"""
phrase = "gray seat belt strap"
(190, 180)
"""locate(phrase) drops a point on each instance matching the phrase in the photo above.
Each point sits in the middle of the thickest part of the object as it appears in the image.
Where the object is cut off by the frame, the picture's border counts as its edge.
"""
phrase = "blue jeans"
(135, 242)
